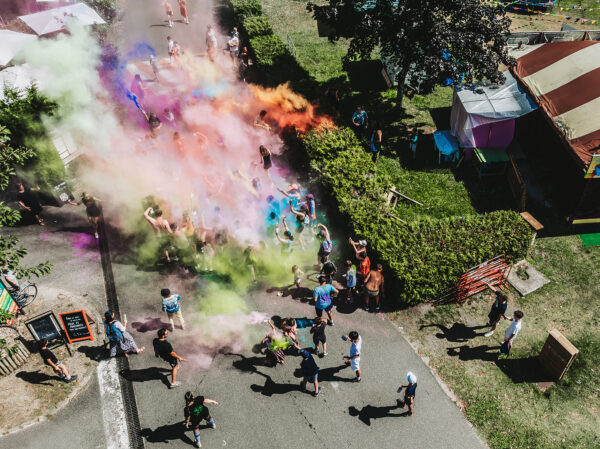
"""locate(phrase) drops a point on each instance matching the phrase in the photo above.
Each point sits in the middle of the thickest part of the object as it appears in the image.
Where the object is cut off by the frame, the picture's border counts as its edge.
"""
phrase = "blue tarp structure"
(446, 145)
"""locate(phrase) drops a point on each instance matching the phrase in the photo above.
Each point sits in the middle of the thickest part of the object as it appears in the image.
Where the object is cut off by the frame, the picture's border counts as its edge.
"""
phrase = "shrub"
(257, 26)
(245, 8)
(267, 49)
(426, 256)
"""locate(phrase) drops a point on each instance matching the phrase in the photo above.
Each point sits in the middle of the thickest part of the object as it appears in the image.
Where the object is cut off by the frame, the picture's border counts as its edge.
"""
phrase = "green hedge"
(426, 256)
(257, 26)
(267, 49)
(245, 8)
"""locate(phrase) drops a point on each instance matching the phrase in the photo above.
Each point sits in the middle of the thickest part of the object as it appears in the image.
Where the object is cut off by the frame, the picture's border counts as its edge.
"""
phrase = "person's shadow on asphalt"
(150, 324)
(147, 374)
(270, 388)
(369, 412)
(164, 434)
(458, 333)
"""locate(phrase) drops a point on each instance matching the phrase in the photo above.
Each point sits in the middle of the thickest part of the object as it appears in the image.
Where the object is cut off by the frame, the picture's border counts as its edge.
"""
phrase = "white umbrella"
(56, 19)
(11, 43)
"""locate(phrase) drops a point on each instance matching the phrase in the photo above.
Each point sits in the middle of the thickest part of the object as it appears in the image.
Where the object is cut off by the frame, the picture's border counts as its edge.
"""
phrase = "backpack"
(113, 333)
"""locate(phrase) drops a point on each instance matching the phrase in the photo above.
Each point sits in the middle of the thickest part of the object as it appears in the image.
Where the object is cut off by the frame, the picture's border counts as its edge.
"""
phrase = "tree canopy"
(431, 42)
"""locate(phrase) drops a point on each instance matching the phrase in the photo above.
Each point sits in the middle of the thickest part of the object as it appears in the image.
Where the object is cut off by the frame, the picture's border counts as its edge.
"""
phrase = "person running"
(353, 359)
(302, 220)
(511, 332)
(92, 209)
(195, 412)
(322, 297)
(374, 287)
(259, 121)
(326, 244)
(329, 269)
(287, 243)
(211, 42)
(498, 309)
(318, 331)
(28, 201)
(409, 393)
(164, 350)
(312, 209)
(171, 305)
(376, 137)
(350, 281)
(169, 11)
(170, 48)
(310, 371)
(154, 65)
(162, 228)
(50, 359)
(120, 341)
(137, 88)
(183, 11)
(298, 274)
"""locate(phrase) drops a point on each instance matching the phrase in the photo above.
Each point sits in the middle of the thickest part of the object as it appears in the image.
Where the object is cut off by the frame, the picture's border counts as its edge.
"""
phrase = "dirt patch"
(34, 392)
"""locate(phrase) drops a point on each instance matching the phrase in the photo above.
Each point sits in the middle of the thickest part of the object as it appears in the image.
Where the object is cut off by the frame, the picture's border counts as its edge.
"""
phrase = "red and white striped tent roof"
(564, 78)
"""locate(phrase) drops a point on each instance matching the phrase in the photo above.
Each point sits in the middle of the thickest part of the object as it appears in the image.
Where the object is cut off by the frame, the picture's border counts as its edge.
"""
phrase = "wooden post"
(535, 225)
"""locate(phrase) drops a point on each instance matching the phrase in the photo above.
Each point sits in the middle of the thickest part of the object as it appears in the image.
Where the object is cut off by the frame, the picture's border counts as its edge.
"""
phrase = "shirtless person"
(159, 224)
(374, 287)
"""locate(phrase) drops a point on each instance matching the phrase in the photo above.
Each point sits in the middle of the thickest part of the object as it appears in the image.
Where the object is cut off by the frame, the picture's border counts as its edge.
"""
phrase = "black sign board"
(77, 326)
(44, 326)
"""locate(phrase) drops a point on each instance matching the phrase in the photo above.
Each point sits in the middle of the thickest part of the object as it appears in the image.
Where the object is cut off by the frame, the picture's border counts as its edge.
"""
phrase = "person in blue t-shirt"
(170, 304)
(360, 119)
(322, 297)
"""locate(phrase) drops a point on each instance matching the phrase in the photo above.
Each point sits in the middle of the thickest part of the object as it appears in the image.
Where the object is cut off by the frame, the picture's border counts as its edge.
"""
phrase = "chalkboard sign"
(44, 326)
(77, 326)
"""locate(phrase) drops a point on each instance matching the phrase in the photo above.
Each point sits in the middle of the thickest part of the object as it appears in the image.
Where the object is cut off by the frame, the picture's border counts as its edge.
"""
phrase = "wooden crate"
(557, 354)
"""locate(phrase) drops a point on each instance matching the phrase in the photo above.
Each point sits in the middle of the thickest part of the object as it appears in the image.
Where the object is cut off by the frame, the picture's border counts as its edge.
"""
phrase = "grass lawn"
(499, 396)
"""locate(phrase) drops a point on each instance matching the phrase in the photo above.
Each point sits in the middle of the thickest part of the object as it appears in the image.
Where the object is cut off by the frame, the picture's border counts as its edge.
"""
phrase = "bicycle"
(25, 295)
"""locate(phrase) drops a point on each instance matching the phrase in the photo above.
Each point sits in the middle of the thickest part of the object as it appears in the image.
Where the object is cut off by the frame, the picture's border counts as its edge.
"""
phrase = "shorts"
(171, 361)
(317, 340)
(327, 309)
(372, 293)
(314, 378)
(355, 364)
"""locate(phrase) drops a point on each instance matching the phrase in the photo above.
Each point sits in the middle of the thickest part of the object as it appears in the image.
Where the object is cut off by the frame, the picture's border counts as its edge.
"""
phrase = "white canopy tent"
(11, 44)
(483, 115)
(56, 19)
(17, 77)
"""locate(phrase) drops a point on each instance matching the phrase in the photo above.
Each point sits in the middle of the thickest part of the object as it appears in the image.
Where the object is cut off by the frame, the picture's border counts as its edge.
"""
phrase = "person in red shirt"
(363, 269)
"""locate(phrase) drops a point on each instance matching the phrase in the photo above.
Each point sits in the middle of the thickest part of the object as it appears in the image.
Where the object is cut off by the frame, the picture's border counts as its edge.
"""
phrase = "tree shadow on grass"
(459, 332)
(166, 433)
(36, 377)
(369, 412)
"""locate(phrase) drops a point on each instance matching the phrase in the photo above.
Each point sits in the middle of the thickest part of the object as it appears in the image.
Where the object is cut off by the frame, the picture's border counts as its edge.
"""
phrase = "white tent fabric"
(481, 104)
(56, 19)
(11, 43)
(17, 77)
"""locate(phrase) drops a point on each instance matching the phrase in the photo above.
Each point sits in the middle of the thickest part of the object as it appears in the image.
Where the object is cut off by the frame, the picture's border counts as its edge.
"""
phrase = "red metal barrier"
(494, 271)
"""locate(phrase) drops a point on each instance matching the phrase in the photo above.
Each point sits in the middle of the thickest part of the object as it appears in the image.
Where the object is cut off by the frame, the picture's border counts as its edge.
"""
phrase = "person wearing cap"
(498, 309)
(171, 305)
(310, 371)
(409, 392)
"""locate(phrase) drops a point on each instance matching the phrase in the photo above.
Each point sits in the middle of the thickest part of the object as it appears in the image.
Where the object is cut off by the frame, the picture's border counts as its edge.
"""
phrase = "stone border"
(82, 385)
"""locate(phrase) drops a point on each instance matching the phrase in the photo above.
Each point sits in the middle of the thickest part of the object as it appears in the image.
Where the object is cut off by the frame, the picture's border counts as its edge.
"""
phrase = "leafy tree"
(430, 42)
(11, 253)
